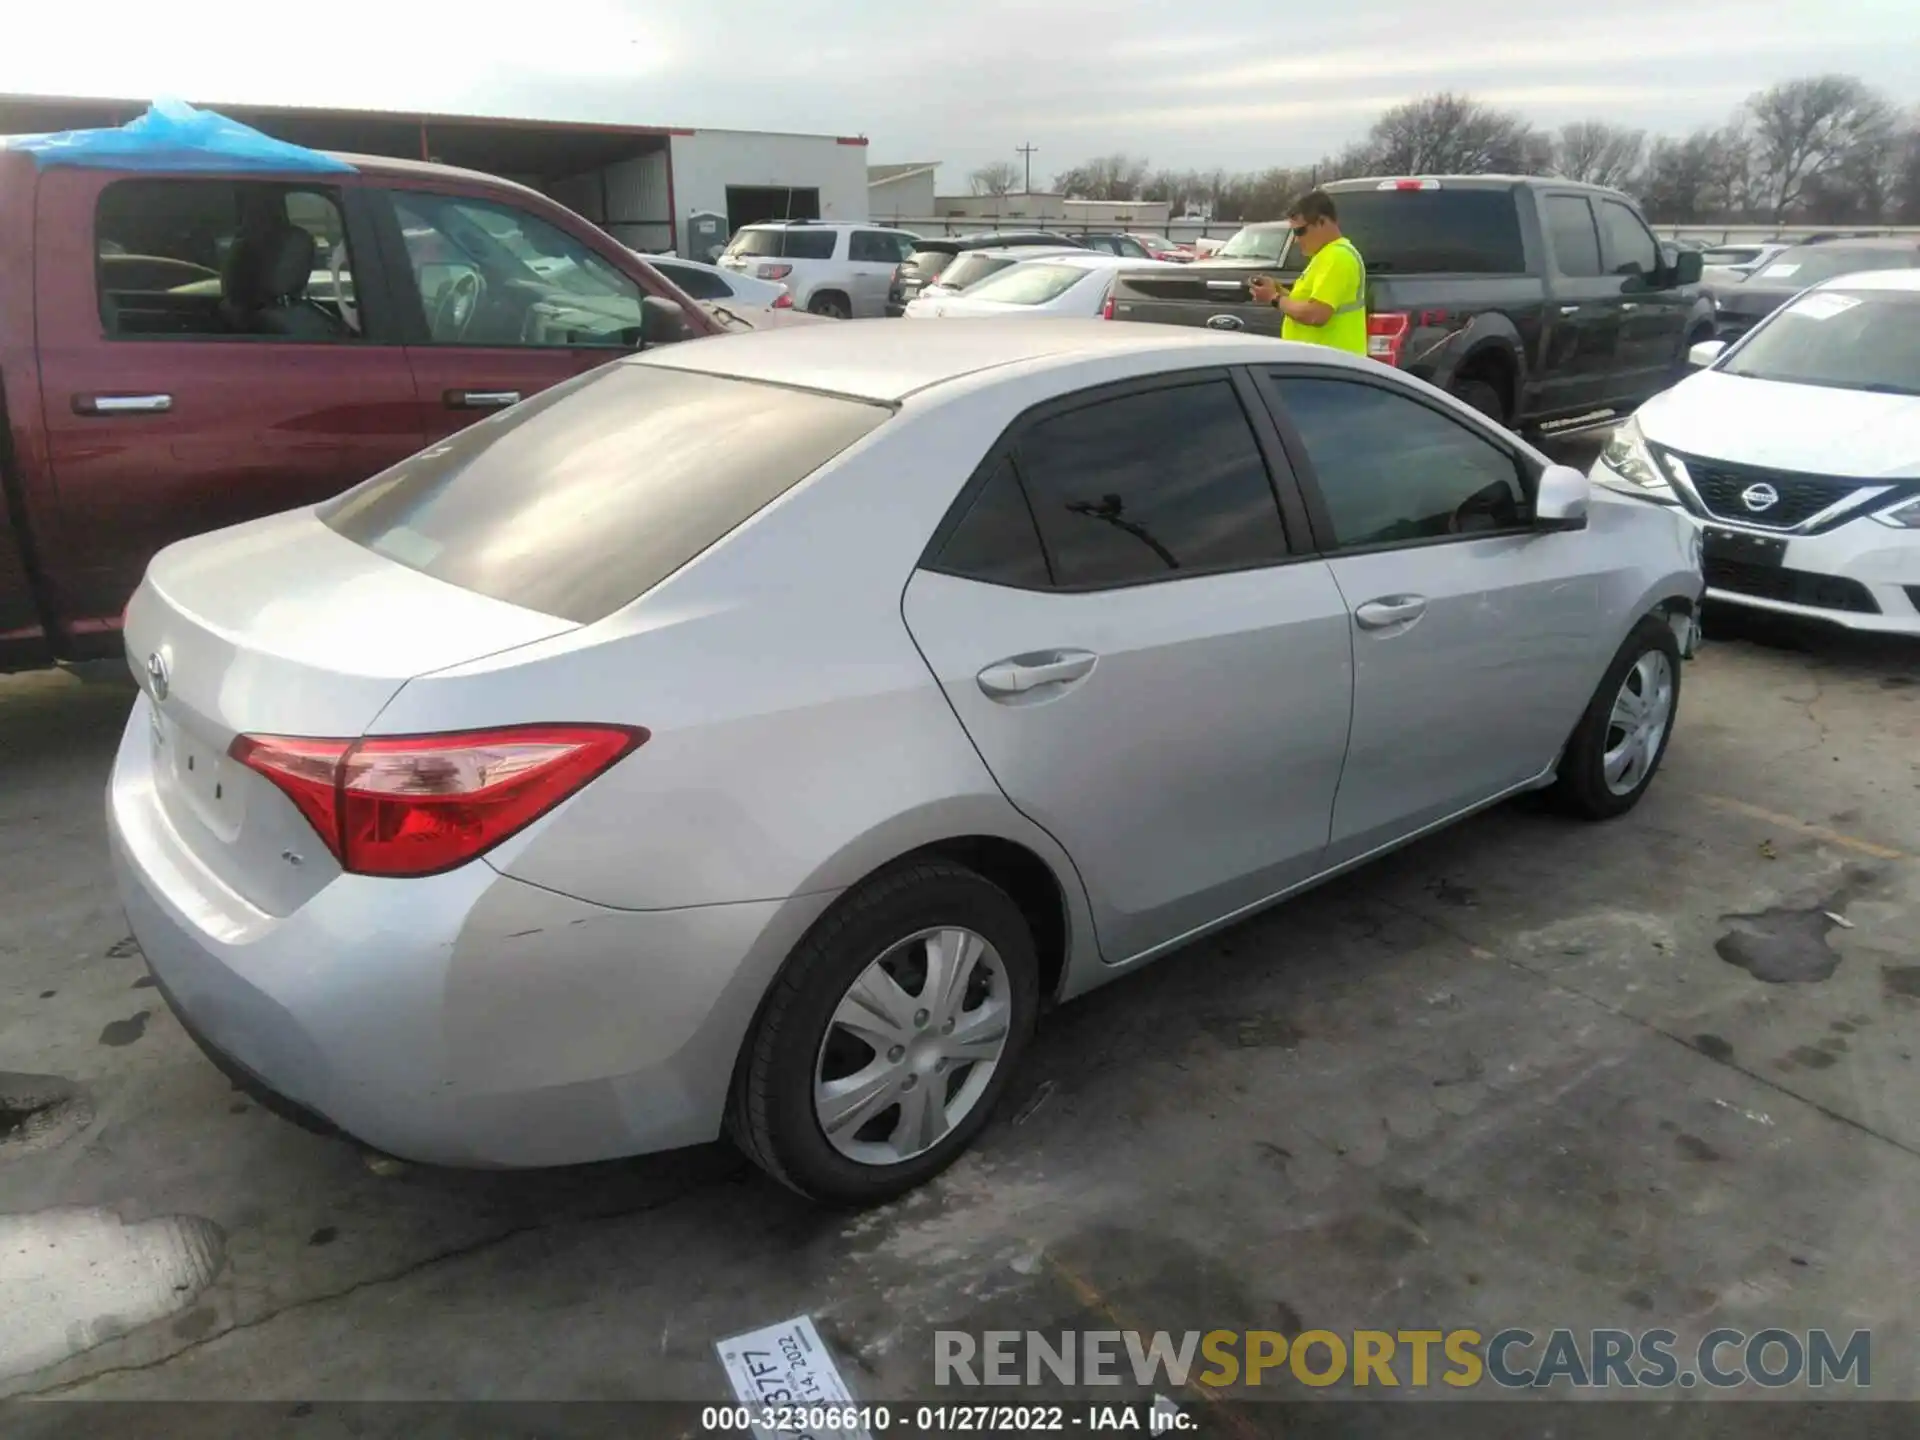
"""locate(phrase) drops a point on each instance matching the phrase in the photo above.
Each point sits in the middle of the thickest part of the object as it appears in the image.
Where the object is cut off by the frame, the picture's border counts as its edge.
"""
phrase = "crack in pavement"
(1555, 983)
(405, 1272)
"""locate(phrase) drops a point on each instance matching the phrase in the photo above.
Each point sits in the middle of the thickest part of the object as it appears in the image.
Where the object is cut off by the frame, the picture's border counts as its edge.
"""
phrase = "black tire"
(1482, 397)
(772, 1117)
(1581, 786)
(831, 305)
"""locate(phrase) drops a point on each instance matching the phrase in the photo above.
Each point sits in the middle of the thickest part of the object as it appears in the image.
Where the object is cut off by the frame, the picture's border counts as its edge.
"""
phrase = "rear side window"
(1155, 485)
(589, 494)
(996, 540)
(1474, 232)
(810, 244)
(1576, 247)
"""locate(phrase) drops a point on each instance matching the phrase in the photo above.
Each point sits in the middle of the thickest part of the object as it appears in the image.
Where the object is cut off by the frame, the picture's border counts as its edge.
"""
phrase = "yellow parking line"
(1816, 832)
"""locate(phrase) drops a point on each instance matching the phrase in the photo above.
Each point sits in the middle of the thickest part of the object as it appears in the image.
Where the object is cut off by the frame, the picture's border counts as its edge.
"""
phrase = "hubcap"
(1641, 712)
(912, 1046)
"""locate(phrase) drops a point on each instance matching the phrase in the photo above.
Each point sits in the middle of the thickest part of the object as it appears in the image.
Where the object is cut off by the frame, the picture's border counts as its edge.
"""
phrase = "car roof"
(888, 360)
(1874, 280)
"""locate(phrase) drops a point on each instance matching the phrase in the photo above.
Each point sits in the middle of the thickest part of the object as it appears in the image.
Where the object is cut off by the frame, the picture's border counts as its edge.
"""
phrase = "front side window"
(1576, 247)
(224, 258)
(1843, 339)
(1393, 471)
(1630, 246)
(488, 274)
(1155, 485)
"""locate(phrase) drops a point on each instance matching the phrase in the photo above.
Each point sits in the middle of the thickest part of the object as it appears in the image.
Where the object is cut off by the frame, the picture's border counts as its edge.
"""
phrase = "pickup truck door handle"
(1629, 305)
(481, 399)
(122, 404)
(1024, 673)
(1569, 309)
(1390, 610)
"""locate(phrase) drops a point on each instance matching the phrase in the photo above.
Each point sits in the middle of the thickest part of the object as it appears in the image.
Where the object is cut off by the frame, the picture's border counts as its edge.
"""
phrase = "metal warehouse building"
(642, 183)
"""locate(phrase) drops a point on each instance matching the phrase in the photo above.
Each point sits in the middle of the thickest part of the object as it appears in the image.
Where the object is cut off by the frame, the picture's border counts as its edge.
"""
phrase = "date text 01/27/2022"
(817, 1421)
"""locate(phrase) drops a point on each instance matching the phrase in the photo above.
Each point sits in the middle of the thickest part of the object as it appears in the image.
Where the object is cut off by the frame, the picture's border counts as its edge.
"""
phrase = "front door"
(207, 357)
(1472, 634)
(1580, 340)
(501, 304)
(1653, 316)
(1148, 671)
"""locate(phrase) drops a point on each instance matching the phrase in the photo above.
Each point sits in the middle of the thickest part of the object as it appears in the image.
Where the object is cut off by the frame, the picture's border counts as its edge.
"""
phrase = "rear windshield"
(755, 242)
(588, 495)
(1033, 282)
(1810, 264)
(972, 268)
(927, 263)
(1428, 232)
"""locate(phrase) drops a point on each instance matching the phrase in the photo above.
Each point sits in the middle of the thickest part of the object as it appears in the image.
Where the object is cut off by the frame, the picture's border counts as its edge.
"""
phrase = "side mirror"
(1561, 503)
(1687, 267)
(1705, 353)
(662, 322)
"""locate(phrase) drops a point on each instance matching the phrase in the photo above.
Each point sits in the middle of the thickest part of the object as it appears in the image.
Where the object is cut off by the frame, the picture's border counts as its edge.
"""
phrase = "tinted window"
(1737, 255)
(166, 263)
(592, 492)
(1151, 485)
(755, 242)
(1393, 470)
(1576, 248)
(996, 540)
(1432, 231)
(1847, 339)
(873, 247)
(1630, 246)
(810, 244)
(700, 284)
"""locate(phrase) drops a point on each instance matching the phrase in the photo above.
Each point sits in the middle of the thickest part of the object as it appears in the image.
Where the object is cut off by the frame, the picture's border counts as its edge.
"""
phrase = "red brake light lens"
(1386, 334)
(418, 805)
(1106, 310)
(784, 301)
(774, 272)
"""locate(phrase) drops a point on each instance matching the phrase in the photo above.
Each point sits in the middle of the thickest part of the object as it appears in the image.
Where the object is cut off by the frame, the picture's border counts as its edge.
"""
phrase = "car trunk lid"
(282, 627)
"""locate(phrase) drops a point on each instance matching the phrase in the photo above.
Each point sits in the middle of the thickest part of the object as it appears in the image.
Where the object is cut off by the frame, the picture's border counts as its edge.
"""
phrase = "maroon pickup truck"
(182, 350)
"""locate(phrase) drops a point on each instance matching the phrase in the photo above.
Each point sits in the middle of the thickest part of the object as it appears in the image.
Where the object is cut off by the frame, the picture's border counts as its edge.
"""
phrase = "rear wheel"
(833, 306)
(1620, 741)
(889, 1037)
(1482, 397)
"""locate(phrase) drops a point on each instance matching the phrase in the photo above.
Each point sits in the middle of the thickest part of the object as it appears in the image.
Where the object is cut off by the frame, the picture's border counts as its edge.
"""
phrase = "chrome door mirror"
(1562, 501)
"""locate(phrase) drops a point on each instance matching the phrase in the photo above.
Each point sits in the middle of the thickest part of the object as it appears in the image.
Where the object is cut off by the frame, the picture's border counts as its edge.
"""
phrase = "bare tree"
(1105, 177)
(1596, 153)
(996, 177)
(1906, 201)
(1452, 134)
(1806, 132)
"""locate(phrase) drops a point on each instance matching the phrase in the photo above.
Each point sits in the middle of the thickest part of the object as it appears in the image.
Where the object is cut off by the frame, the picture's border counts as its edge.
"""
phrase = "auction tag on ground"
(783, 1374)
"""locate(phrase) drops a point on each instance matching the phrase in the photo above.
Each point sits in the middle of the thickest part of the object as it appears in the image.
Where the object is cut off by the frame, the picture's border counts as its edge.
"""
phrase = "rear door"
(498, 303)
(1149, 669)
(872, 257)
(1653, 317)
(173, 404)
(1473, 635)
(1580, 342)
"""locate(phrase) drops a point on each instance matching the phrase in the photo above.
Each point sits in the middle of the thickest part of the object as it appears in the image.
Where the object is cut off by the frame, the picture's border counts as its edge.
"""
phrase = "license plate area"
(1738, 547)
(198, 777)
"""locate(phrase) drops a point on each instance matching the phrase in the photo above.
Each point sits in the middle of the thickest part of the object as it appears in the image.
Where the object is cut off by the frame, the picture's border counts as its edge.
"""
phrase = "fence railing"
(1187, 231)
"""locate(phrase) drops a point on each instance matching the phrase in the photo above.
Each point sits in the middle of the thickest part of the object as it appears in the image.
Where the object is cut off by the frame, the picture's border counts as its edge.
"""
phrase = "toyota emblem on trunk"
(1225, 322)
(157, 674)
(1759, 497)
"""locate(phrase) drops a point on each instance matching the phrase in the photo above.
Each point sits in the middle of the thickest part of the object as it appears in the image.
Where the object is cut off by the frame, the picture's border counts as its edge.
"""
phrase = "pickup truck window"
(1394, 471)
(489, 274)
(226, 258)
(1631, 249)
(1432, 232)
(1576, 245)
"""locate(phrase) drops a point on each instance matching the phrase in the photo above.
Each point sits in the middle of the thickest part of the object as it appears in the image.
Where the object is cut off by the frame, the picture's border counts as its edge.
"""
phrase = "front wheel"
(1620, 741)
(889, 1037)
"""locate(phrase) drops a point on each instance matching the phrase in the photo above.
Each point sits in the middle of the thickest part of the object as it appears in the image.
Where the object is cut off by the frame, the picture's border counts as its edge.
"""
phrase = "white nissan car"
(1058, 287)
(1797, 450)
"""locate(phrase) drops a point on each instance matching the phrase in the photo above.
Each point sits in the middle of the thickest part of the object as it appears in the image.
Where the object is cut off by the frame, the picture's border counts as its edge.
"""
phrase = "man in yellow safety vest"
(1328, 303)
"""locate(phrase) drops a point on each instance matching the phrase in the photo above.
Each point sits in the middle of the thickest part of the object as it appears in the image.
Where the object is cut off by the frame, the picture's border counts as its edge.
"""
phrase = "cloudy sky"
(1237, 83)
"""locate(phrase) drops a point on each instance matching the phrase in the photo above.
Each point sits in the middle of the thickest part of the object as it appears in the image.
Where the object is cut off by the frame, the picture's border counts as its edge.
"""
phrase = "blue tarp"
(172, 135)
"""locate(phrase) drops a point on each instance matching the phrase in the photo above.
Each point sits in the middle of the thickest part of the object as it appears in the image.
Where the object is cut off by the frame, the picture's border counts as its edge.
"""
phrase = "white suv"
(838, 270)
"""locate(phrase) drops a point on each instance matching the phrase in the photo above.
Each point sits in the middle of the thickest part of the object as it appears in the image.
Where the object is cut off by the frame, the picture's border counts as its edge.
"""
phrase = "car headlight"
(1629, 465)
(1902, 517)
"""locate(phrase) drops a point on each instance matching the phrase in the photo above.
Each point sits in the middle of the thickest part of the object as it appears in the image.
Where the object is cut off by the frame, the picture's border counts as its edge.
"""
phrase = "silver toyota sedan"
(755, 736)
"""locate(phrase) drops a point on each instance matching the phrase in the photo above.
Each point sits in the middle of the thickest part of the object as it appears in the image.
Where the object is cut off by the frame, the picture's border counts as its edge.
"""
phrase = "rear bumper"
(462, 1019)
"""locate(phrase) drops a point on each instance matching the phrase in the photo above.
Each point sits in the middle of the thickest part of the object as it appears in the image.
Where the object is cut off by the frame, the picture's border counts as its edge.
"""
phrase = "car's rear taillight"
(774, 272)
(1106, 310)
(420, 804)
(784, 302)
(1386, 333)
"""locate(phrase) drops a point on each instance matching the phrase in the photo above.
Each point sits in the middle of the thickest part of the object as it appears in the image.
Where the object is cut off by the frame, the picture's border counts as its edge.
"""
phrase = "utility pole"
(1028, 151)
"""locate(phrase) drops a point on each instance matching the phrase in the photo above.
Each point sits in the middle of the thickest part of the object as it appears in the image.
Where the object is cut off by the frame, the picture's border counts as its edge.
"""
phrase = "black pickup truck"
(1545, 304)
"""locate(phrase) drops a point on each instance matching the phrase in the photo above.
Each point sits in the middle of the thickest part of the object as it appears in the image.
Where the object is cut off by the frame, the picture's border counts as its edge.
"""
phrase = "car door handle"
(1569, 309)
(1392, 610)
(122, 404)
(1024, 673)
(1629, 305)
(481, 399)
